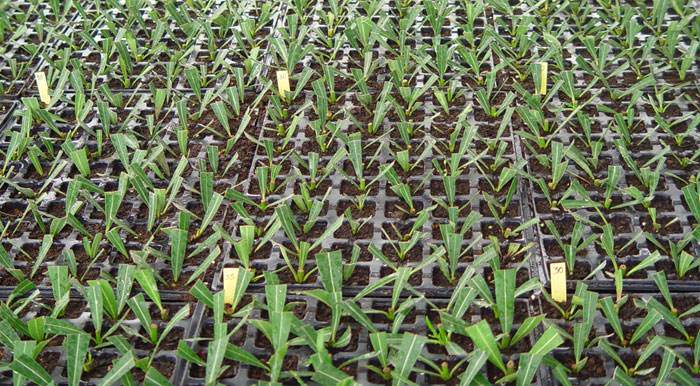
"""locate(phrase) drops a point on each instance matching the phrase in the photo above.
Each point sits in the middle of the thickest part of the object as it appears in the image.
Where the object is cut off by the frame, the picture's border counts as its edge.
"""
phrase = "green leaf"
(200, 291)
(505, 297)
(46, 244)
(206, 188)
(647, 262)
(194, 80)
(360, 317)
(530, 362)
(108, 299)
(204, 265)
(125, 280)
(8, 336)
(650, 320)
(477, 360)
(654, 345)
(608, 307)
(222, 115)
(119, 369)
(527, 367)
(93, 293)
(326, 374)
(116, 240)
(407, 355)
(23, 347)
(275, 297)
(58, 275)
(682, 377)
(155, 378)
(120, 343)
(178, 248)
(180, 315)
(668, 316)
(239, 354)
(483, 338)
(76, 350)
(140, 309)
(281, 325)
(210, 213)
(549, 340)
(7, 315)
(690, 194)
(61, 327)
(330, 270)
(36, 327)
(29, 368)
(144, 276)
(526, 328)
(185, 352)
(215, 357)
(328, 232)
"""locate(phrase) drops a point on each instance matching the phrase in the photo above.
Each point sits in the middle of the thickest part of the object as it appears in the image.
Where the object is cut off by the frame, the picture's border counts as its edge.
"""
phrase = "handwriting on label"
(557, 274)
(543, 78)
(283, 82)
(230, 281)
(43, 87)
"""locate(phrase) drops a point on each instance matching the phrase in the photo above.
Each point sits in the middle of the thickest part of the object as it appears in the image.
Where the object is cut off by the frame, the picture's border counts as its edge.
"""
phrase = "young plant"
(683, 262)
(502, 301)
(620, 271)
(154, 337)
(485, 98)
(330, 269)
(576, 244)
(402, 244)
(359, 180)
(396, 360)
(276, 329)
(297, 256)
(453, 241)
(401, 189)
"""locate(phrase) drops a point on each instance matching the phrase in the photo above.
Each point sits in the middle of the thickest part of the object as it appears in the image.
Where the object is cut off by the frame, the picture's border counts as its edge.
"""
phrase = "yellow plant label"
(557, 275)
(283, 82)
(43, 87)
(230, 280)
(543, 78)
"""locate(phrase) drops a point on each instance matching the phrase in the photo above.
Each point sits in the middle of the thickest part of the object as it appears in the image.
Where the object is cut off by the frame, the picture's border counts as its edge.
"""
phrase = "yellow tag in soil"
(557, 274)
(283, 82)
(543, 78)
(43, 87)
(230, 281)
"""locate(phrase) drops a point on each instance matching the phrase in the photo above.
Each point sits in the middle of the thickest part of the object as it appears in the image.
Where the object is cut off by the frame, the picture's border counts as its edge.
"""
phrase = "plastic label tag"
(230, 281)
(557, 274)
(283, 82)
(543, 78)
(43, 87)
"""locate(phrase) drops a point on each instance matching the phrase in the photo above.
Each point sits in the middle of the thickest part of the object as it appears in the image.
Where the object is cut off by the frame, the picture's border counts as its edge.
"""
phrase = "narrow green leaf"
(155, 378)
(407, 355)
(29, 368)
(477, 360)
(215, 357)
(212, 209)
(483, 338)
(76, 350)
(46, 244)
(178, 248)
(144, 276)
(185, 352)
(505, 297)
(120, 368)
